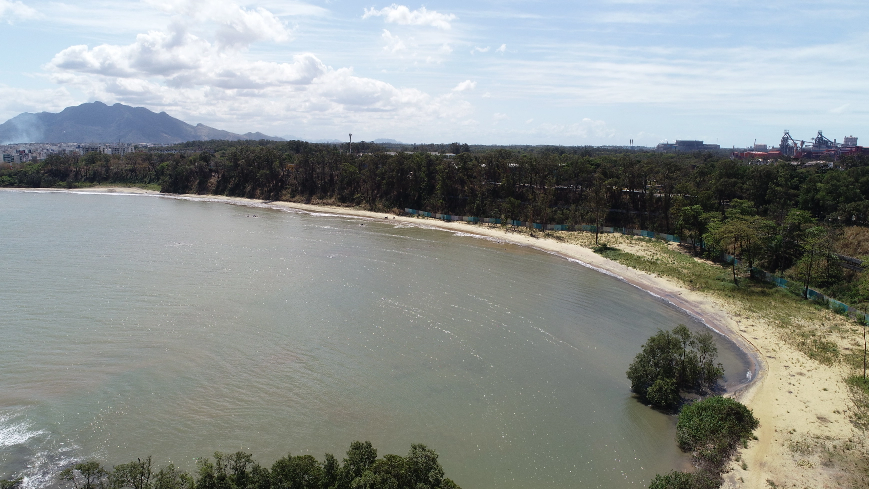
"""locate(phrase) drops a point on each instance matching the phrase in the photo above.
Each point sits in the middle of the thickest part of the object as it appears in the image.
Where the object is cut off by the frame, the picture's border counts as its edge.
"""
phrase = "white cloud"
(394, 44)
(840, 109)
(478, 49)
(445, 49)
(400, 14)
(215, 80)
(236, 26)
(13, 10)
(502, 49)
(465, 85)
(499, 116)
(244, 27)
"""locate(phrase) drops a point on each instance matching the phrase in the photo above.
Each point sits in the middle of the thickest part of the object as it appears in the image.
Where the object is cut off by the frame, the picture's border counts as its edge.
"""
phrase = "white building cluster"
(27, 152)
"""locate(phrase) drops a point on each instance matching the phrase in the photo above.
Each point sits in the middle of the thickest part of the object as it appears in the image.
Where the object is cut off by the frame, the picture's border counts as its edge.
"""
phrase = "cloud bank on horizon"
(489, 72)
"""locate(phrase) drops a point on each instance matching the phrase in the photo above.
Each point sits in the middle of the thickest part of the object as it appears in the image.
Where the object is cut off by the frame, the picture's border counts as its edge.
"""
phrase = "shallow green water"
(137, 325)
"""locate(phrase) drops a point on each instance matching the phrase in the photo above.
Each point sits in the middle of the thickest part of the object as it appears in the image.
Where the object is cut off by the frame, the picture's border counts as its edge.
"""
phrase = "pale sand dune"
(794, 397)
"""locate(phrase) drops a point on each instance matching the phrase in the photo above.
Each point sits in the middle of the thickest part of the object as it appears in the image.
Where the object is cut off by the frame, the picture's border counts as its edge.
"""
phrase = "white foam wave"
(15, 433)
(479, 236)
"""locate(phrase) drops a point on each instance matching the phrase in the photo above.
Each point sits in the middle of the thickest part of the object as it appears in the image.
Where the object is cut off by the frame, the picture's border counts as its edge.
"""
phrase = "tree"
(741, 237)
(135, 475)
(692, 220)
(360, 457)
(597, 204)
(170, 477)
(817, 244)
(671, 361)
(299, 472)
(86, 475)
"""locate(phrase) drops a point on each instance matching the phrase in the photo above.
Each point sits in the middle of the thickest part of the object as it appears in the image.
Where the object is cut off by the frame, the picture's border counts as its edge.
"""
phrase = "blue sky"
(506, 72)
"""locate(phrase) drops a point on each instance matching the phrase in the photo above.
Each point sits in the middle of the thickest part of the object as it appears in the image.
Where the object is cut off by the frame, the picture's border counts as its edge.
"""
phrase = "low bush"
(712, 428)
(685, 480)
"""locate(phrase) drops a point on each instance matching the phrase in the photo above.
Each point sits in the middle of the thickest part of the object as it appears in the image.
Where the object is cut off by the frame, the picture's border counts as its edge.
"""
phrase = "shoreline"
(795, 398)
(695, 304)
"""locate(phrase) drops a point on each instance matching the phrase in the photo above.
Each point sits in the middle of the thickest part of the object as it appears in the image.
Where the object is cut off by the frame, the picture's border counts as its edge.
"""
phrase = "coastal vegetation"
(711, 429)
(804, 222)
(674, 361)
(360, 469)
(789, 218)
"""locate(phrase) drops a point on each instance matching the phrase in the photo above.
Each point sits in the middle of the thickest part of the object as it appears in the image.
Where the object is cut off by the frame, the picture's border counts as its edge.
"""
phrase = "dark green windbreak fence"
(812, 294)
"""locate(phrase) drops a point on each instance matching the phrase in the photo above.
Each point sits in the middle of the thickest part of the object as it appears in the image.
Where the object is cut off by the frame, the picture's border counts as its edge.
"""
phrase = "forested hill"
(685, 194)
(99, 123)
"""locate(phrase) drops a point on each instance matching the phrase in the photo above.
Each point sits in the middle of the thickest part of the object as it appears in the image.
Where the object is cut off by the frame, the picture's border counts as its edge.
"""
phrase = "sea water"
(142, 325)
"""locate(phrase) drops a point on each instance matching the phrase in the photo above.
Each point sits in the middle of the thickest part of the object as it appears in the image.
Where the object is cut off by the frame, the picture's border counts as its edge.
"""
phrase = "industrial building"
(818, 147)
(686, 146)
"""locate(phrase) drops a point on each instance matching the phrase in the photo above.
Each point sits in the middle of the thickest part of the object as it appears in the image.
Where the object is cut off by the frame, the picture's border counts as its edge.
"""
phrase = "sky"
(730, 72)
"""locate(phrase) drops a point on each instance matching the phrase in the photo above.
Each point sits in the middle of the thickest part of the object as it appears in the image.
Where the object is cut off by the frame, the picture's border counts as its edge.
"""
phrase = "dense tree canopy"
(672, 361)
(360, 469)
(763, 214)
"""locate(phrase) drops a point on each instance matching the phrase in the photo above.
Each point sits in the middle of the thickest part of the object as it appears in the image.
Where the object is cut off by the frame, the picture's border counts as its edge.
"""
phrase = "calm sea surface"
(137, 325)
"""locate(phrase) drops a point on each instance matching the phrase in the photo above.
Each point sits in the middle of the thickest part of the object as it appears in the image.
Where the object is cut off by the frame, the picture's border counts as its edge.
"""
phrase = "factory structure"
(819, 147)
(686, 146)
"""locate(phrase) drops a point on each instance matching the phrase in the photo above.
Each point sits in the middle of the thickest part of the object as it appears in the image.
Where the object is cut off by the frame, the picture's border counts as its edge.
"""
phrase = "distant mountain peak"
(96, 122)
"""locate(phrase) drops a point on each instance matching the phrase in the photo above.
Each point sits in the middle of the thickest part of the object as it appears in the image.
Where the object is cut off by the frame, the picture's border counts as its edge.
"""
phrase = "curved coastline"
(692, 303)
(797, 399)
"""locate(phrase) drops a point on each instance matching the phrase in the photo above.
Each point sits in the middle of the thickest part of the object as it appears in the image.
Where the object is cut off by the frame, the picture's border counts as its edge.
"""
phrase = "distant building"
(760, 147)
(686, 146)
(850, 141)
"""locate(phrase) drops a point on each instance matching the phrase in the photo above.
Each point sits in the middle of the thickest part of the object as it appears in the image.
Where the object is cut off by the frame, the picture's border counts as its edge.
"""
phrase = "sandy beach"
(798, 401)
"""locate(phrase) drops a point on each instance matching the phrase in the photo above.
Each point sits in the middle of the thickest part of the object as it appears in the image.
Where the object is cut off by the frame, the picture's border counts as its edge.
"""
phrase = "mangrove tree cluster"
(360, 469)
(674, 361)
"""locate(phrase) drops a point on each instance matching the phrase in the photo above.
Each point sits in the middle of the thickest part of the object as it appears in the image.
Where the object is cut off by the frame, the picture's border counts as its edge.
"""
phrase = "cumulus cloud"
(394, 44)
(213, 79)
(502, 49)
(400, 14)
(248, 26)
(478, 49)
(14, 10)
(236, 26)
(465, 85)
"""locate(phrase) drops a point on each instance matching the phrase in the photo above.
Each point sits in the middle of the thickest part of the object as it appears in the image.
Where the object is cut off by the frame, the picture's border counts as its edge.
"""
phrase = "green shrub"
(671, 361)
(664, 393)
(712, 428)
(685, 480)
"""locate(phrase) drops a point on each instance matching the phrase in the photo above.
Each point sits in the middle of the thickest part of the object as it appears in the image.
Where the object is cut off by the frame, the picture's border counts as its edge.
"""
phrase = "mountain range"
(97, 122)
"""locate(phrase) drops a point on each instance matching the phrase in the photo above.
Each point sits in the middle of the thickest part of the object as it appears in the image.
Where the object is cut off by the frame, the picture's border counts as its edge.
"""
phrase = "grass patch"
(795, 317)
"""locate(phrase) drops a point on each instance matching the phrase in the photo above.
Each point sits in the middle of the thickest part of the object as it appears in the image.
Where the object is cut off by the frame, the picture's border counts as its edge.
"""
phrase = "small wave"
(45, 466)
(479, 236)
(15, 432)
